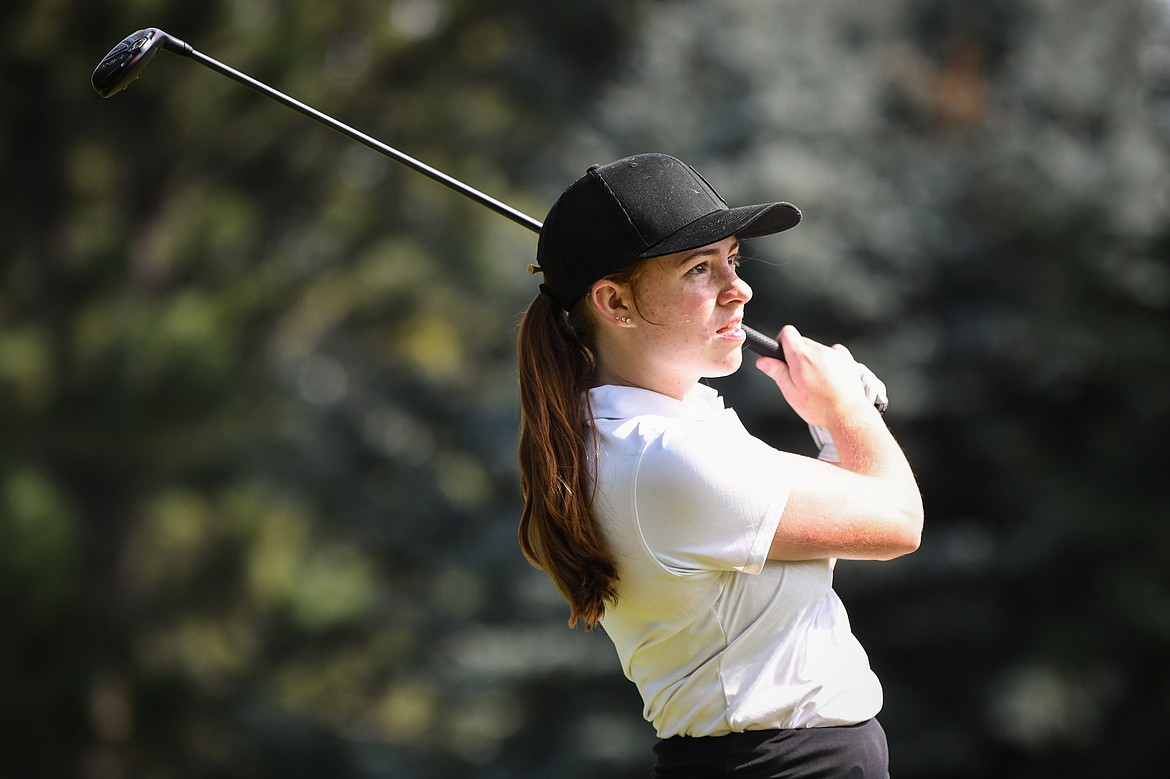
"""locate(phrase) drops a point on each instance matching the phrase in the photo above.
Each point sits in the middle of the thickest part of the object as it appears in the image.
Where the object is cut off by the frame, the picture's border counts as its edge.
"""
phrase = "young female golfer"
(706, 554)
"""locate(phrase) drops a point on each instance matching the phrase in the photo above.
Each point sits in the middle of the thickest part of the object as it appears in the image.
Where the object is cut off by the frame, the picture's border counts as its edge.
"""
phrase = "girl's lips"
(732, 330)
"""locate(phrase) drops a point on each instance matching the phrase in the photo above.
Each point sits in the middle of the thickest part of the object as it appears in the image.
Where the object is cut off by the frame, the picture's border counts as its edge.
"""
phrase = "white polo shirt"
(717, 638)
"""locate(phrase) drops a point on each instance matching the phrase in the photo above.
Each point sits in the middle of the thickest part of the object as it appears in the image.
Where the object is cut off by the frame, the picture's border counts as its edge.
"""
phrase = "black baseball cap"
(639, 207)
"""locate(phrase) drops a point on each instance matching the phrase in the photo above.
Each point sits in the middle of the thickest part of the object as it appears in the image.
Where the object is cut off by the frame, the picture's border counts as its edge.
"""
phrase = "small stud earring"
(625, 320)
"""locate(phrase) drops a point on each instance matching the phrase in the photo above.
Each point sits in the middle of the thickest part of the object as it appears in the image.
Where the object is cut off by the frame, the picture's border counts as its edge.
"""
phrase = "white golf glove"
(875, 392)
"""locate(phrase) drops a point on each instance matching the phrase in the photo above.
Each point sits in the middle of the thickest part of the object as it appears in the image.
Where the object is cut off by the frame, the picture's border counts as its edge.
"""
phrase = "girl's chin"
(727, 366)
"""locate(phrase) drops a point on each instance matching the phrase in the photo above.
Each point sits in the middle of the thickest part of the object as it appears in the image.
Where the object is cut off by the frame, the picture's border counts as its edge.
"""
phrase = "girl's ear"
(611, 301)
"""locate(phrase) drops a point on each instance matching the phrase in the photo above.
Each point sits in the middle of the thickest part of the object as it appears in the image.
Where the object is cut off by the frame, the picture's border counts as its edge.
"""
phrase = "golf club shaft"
(483, 199)
(756, 341)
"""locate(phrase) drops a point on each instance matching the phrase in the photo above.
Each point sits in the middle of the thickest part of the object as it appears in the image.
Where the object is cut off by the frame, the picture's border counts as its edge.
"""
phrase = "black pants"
(850, 752)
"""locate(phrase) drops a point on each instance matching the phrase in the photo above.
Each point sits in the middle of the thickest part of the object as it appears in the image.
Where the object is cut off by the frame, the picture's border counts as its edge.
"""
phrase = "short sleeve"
(709, 497)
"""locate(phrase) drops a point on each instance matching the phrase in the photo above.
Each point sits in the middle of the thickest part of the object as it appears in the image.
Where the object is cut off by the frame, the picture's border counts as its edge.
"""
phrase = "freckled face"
(690, 306)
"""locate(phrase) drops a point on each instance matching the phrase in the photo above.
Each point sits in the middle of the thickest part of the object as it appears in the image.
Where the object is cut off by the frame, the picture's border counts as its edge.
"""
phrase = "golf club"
(126, 61)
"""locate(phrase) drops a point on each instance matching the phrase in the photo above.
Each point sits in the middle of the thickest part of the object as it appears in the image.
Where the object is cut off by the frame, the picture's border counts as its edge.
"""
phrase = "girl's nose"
(737, 291)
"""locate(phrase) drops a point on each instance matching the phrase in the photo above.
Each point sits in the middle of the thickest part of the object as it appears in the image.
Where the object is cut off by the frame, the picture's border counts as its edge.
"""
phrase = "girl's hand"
(821, 383)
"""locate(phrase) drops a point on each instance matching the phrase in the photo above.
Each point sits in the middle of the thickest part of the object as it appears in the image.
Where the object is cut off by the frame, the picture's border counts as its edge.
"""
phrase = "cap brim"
(744, 221)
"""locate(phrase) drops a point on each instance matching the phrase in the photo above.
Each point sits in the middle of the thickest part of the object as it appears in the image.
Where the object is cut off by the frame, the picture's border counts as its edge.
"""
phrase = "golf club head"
(128, 59)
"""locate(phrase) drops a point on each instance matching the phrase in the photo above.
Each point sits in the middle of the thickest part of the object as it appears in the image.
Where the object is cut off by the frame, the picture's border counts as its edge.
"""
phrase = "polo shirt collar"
(613, 402)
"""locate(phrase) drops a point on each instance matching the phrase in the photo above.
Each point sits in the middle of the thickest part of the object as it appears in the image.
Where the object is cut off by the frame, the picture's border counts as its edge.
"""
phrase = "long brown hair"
(558, 534)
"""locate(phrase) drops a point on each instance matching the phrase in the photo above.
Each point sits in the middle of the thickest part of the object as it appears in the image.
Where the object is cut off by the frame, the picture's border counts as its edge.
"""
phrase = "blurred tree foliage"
(257, 485)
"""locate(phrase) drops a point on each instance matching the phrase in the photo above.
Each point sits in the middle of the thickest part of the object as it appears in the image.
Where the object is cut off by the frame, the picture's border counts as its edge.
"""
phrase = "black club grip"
(762, 344)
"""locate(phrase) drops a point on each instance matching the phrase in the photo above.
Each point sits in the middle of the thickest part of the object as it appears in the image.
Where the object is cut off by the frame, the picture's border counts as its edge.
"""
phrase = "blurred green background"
(258, 412)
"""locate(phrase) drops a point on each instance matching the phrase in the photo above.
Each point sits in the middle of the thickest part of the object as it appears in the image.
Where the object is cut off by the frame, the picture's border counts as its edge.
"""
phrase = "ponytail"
(557, 531)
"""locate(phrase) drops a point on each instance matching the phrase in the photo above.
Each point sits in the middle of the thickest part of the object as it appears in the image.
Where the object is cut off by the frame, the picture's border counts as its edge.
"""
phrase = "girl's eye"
(703, 267)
